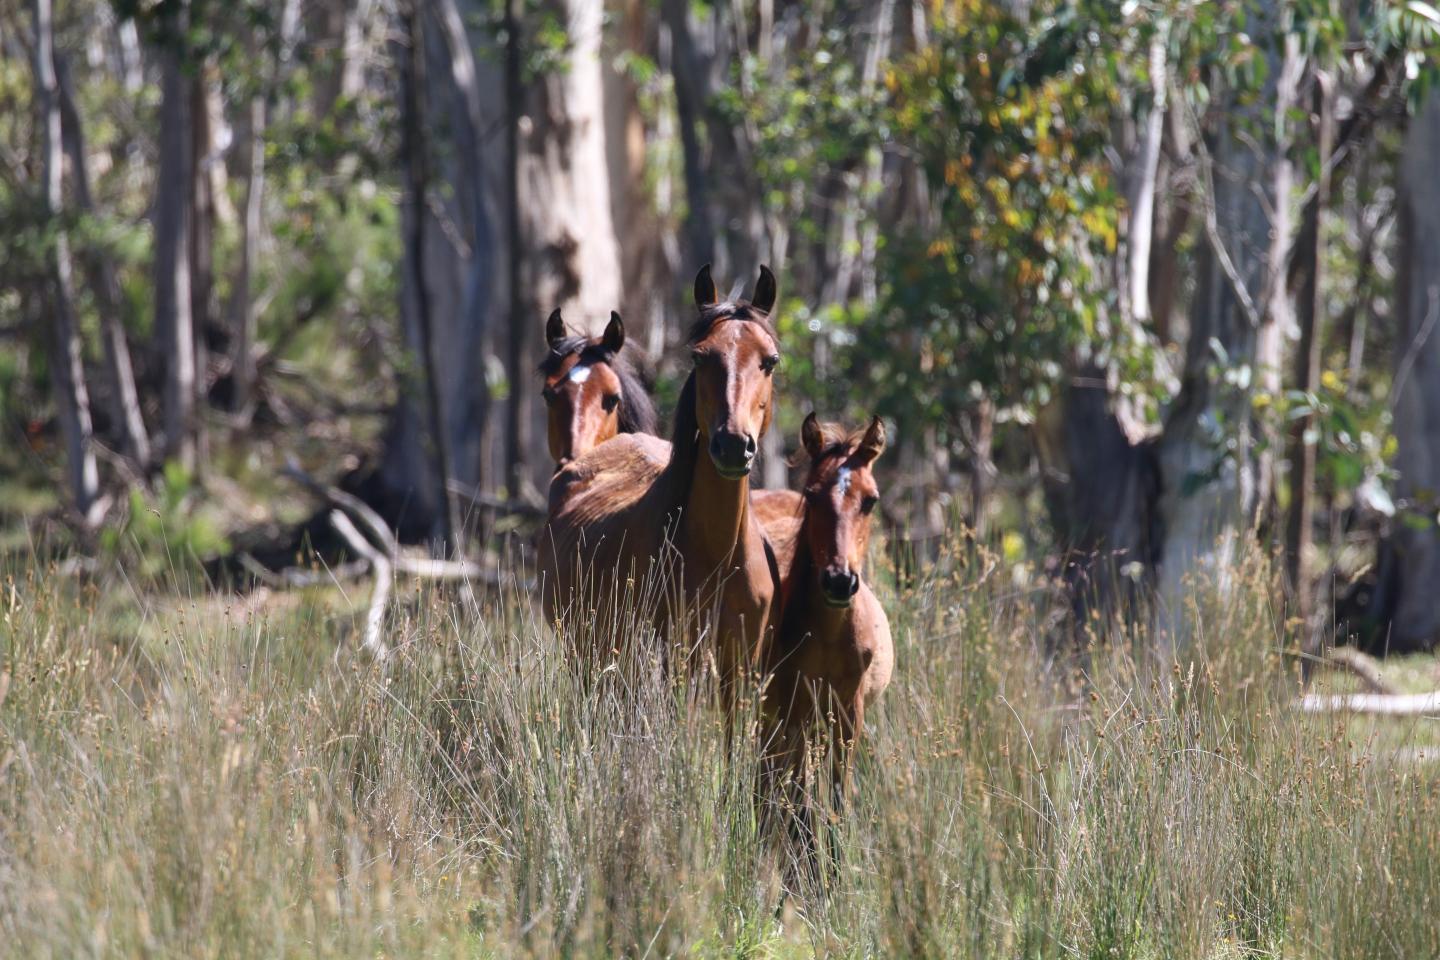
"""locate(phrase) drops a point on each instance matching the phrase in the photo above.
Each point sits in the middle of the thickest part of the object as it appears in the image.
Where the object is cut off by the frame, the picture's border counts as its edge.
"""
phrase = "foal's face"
(840, 496)
(582, 403)
(734, 383)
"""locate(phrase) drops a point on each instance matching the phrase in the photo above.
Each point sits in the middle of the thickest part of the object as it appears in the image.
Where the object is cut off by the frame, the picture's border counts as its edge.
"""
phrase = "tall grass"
(194, 774)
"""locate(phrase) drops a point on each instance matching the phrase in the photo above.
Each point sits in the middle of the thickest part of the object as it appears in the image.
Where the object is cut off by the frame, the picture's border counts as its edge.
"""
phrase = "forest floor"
(189, 772)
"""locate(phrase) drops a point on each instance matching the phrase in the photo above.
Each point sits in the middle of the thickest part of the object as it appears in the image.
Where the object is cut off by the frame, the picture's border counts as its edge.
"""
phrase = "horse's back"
(607, 479)
(597, 515)
(870, 632)
(779, 512)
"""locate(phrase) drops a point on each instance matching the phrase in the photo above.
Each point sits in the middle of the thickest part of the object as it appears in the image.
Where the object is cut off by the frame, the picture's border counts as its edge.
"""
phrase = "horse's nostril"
(750, 446)
(854, 585)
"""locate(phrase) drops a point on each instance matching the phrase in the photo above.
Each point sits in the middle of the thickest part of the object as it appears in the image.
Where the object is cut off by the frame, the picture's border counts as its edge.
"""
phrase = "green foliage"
(165, 532)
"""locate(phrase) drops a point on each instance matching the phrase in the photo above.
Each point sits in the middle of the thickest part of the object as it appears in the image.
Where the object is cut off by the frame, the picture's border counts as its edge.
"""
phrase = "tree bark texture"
(1416, 538)
(67, 373)
(458, 272)
(174, 324)
(1214, 471)
(127, 416)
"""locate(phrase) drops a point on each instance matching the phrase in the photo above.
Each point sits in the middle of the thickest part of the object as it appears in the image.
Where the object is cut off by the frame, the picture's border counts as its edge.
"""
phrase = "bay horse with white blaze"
(832, 655)
(635, 507)
(591, 391)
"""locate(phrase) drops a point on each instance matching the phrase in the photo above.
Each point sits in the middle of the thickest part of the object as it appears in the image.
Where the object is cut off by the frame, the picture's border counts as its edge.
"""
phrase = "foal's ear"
(873, 443)
(705, 288)
(764, 298)
(614, 337)
(554, 328)
(812, 437)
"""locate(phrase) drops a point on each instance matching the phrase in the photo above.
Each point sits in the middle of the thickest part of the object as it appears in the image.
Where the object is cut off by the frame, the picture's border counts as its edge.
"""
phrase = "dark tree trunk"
(174, 325)
(1415, 543)
(1310, 314)
(242, 302)
(458, 277)
(417, 182)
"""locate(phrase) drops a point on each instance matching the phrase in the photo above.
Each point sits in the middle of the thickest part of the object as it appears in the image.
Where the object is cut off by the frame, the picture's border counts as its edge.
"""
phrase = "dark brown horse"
(591, 392)
(631, 507)
(832, 655)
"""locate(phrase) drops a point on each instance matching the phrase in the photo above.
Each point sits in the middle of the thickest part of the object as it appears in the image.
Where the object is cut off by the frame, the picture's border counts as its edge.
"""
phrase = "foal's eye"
(868, 504)
(611, 402)
(547, 395)
(697, 357)
(768, 364)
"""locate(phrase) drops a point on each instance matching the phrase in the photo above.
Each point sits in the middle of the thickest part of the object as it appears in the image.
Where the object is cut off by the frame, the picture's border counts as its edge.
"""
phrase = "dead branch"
(380, 565)
(1379, 704)
(1366, 668)
(351, 504)
(298, 578)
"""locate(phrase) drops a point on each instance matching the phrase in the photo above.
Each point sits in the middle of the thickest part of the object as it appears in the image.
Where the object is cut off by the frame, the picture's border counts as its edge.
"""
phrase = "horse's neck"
(806, 612)
(716, 512)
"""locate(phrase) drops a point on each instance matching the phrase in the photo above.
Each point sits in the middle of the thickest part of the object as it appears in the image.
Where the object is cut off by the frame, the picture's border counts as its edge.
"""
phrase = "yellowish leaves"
(1100, 225)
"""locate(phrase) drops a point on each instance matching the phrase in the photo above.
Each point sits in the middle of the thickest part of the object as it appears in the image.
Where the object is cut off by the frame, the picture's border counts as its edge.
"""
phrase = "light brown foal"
(833, 655)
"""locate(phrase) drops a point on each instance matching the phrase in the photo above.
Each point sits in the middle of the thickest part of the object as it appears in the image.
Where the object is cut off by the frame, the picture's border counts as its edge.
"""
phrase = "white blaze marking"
(579, 373)
(844, 481)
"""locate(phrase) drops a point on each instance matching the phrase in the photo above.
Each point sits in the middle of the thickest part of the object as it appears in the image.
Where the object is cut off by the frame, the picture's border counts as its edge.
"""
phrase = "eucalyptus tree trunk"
(1311, 317)
(1213, 466)
(242, 301)
(1145, 518)
(569, 253)
(67, 370)
(174, 323)
(127, 415)
(1415, 542)
(725, 223)
(644, 268)
(455, 278)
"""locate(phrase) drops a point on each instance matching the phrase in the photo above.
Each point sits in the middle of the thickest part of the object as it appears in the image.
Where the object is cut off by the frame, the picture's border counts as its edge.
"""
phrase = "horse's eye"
(547, 395)
(768, 364)
(697, 357)
(610, 402)
(868, 504)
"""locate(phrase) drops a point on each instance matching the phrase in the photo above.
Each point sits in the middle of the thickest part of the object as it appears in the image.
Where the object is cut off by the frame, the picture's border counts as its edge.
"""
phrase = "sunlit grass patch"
(194, 773)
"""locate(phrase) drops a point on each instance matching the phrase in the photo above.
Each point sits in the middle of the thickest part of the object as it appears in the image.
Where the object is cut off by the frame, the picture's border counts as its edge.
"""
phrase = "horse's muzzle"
(839, 587)
(732, 453)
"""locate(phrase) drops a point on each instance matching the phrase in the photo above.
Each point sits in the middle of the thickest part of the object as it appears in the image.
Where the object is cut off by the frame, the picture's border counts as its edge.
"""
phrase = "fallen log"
(1378, 704)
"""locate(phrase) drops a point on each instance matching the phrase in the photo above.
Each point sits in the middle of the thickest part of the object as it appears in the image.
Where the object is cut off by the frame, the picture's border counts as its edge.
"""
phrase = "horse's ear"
(554, 328)
(873, 443)
(812, 437)
(705, 288)
(764, 298)
(614, 337)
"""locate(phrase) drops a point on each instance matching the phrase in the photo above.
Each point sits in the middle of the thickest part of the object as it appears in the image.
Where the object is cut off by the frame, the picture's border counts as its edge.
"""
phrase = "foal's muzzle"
(732, 453)
(839, 587)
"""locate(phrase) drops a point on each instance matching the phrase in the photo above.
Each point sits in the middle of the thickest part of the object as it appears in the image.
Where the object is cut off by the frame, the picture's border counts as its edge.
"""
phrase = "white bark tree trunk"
(1214, 475)
(67, 373)
(108, 299)
(570, 254)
